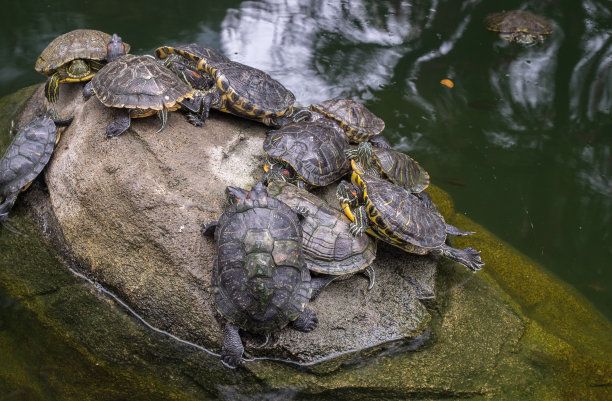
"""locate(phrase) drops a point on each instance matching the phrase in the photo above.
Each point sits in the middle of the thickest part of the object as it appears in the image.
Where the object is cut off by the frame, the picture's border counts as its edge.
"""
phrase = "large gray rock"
(130, 209)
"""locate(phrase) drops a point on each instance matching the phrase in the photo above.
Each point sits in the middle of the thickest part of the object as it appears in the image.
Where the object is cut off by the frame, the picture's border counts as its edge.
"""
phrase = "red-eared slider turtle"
(519, 26)
(137, 86)
(400, 218)
(25, 158)
(329, 248)
(260, 281)
(389, 164)
(313, 151)
(356, 121)
(246, 92)
(72, 57)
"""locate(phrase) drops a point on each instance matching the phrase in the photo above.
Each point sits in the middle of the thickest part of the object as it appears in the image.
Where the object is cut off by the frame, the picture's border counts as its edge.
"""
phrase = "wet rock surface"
(129, 210)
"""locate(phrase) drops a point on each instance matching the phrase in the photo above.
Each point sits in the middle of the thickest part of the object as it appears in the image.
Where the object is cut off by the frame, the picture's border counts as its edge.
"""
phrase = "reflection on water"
(321, 49)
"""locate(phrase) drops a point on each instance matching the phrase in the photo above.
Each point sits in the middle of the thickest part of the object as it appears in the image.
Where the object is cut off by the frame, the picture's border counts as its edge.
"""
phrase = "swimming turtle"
(313, 152)
(329, 248)
(519, 26)
(357, 122)
(400, 218)
(389, 164)
(26, 157)
(259, 278)
(246, 92)
(72, 57)
(137, 86)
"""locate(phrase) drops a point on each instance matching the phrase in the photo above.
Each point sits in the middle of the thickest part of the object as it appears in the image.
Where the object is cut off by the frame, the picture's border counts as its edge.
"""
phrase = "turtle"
(313, 153)
(72, 57)
(400, 218)
(137, 86)
(246, 92)
(354, 119)
(183, 61)
(389, 164)
(259, 279)
(329, 248)
(519, 26)
(26, 157)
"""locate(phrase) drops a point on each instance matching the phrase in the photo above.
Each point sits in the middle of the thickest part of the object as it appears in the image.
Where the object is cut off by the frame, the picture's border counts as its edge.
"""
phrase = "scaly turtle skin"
(400, 218)
(246, 92)
(138, 86)
(356, 121)
(313, 151)
(329, 248)
(25, 158)
(260, 281)
(72, 57)
(391, 165)
(519, 26)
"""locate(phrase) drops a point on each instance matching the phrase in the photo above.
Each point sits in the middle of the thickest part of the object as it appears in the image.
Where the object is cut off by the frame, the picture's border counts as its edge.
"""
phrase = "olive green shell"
(399, 217)
(139, 82)
(396, 167)
(193, 52)
(314, 150)
(86, 44)
(27, 155)
(327, 242)
(249, 92)
(518, 21)
(259, 278)
(359, 123)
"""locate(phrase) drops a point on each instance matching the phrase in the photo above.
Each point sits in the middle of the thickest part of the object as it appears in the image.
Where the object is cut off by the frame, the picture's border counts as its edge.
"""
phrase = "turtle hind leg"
(120, 124)
(320, 282)
(231, 352)
(209, 228)
(369, 272)
(452, 230)
(306, 321)
(163, 115)
(468, 257)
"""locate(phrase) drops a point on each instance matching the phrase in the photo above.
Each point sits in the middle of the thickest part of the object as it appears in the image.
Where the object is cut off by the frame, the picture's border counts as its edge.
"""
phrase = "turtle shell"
(400, 218)
(394, 166)
(193, 52)
(359, 123)
(314, 150)
(518, 21)
(86, 44)
(27, 155)
(327, 242)
(249, 92)
(139, 82)
(260, 280)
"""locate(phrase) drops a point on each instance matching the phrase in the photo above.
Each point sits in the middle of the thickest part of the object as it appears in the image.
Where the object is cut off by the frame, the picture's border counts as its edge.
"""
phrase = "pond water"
(522, 142)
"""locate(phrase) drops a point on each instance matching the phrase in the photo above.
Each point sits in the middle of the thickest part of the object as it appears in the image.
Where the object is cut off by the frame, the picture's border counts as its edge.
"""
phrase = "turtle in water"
(26, 157)
(391, 165)
(72, 57)
(519, 26)
(400, 218)
(246, 92)
(329, 248)
(259, 278)
(183, 60)
(354, 119)
(308, 153)
(137, 86)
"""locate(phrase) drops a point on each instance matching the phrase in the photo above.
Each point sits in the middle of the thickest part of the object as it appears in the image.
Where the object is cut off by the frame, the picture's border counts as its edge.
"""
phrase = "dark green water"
(522, 142)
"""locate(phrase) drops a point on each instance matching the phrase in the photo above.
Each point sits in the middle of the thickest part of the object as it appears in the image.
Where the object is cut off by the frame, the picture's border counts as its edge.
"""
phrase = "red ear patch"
(122, 47)
(248, 195)
(286, 172)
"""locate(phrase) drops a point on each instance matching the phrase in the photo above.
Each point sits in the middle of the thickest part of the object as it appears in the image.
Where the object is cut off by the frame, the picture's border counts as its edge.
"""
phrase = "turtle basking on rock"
(136, 86)
(75, 56)
(26, 157)
(260, 280)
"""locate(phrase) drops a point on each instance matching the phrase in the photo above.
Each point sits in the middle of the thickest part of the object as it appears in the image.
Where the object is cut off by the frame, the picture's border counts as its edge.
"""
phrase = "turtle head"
(257, 192)
(115, 48)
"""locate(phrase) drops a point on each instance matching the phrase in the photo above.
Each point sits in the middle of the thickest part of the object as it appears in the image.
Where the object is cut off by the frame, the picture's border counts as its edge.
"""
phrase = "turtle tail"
(468, 257)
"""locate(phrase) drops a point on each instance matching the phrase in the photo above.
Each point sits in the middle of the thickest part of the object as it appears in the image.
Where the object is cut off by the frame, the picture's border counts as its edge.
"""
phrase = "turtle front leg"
(231, 352)
(120, 125)
(52, 87)
(306, 321)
